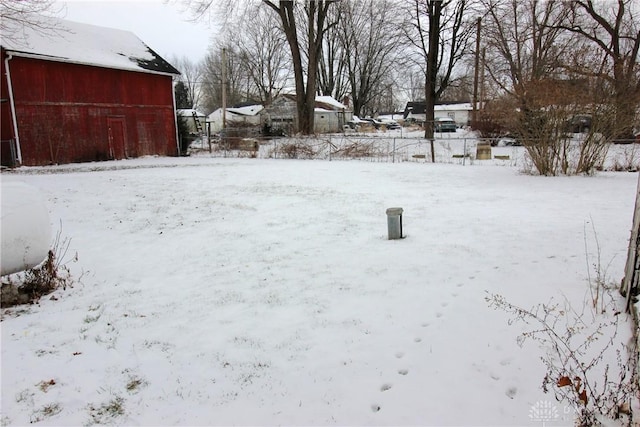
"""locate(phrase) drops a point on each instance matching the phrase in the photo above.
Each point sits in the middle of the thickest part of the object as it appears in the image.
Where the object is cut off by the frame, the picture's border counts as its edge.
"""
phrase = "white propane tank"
(25, 230)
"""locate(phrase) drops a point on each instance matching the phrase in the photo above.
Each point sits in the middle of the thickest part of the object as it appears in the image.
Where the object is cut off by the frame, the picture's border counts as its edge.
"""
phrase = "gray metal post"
(394, 151)
(464, 153)
(394, 223)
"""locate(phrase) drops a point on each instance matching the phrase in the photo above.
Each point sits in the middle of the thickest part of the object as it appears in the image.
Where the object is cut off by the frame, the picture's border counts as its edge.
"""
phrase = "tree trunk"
(305, 93)
(435, 11)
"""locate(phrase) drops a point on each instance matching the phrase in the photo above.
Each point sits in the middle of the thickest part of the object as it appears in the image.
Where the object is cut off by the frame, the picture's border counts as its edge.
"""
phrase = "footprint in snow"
(505, 362)
(438, 314)
(385, 387)
(399, 355)
(403, 371)
(511, 392)
(417, 339)
(375, 407)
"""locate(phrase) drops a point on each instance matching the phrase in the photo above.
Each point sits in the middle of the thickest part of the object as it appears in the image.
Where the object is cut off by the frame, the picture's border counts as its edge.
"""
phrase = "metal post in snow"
(464, 153)
(394, 151)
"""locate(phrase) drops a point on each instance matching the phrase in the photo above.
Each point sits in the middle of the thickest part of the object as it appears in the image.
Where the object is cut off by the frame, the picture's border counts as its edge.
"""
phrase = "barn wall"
(74, 113)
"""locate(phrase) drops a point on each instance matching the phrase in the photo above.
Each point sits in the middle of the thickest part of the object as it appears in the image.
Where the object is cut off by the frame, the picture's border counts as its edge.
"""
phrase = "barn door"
(117, 137)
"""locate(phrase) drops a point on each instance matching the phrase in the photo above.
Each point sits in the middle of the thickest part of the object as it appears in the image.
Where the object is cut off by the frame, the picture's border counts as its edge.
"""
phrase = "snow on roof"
(329, 100)
(189, 112)
(249, 110)
(466, 106)
(68, 41)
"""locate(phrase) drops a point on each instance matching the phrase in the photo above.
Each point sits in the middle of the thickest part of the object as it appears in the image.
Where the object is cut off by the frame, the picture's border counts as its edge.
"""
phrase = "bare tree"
(316, 23)
(18, 15)
(370, 35)
(524, 44)
(238, 89)
(332, 77)
(263, 50)
(191, 77)
(528, 49)
(441, 42)
(613, 29)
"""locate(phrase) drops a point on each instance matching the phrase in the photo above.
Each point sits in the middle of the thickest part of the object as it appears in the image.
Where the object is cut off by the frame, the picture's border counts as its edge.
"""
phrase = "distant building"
(190, 116)
(460, 112)
(81, 93)
(244, 115)
(330, 114)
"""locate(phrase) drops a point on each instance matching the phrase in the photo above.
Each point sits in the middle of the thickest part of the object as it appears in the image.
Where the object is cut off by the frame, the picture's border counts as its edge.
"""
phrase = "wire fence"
(445, 148)
(363, 147)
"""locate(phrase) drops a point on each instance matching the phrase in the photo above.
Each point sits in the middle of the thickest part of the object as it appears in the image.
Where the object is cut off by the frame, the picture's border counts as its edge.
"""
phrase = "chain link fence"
(447, 148)
(360, 147)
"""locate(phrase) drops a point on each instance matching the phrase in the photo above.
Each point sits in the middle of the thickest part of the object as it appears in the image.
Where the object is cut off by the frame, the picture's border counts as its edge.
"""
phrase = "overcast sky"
(164, 27)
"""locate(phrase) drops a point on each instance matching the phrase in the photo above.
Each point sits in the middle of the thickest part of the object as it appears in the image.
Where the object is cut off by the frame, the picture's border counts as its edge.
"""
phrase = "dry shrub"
(297, 150)
(488, 125)
(30, 285)
(355, 150)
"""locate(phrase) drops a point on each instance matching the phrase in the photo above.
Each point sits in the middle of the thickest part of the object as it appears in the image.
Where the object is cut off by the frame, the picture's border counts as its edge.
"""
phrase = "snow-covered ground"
(227, 291)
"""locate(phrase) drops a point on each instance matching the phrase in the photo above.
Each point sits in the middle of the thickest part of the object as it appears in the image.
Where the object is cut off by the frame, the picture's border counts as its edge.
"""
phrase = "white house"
(235, 116)
(459, 112)
(330, 114)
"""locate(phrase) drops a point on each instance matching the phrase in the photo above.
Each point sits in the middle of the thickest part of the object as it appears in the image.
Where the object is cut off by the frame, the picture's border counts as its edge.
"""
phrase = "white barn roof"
(73, 42)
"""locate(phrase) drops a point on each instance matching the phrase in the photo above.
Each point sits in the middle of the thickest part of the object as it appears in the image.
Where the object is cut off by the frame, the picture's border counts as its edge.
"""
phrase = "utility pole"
(474, 111)
(224, 88)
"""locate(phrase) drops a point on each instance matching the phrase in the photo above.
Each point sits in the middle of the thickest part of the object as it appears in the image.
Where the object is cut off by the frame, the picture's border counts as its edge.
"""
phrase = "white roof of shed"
(73, 42)
(329, 100)
(466, 106)
(189, 112)
(248, 110)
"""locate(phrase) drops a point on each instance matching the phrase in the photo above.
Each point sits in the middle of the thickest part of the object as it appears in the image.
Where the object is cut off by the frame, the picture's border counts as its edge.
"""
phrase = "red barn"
(79, 92)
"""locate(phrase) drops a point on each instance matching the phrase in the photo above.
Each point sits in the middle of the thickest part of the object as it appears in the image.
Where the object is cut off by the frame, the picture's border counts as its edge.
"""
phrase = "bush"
(30, 285)
(185, 138)
(579, 345)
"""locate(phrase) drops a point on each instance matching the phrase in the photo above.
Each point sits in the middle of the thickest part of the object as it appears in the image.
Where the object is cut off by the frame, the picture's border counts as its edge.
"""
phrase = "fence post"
(464, 153)
(329, 147)
(393, 153)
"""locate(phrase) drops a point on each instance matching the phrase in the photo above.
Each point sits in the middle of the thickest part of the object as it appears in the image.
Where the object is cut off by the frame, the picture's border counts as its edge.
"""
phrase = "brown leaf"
(625, 408)
(563, 381)
(583, 396)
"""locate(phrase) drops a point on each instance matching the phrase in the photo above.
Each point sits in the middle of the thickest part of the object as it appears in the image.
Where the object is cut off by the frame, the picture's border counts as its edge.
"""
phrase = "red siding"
(64, 112)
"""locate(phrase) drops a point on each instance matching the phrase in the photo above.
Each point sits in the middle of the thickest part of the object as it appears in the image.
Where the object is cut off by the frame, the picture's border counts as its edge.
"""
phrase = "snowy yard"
(229, 291)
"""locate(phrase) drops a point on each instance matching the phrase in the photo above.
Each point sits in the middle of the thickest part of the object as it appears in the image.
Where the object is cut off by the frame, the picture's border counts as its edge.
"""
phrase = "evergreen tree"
(182, 96)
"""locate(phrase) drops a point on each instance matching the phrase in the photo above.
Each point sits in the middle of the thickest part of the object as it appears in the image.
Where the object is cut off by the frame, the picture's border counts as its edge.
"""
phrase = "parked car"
(444, 124)
(508, 141)
(389, 123)
(373, 122)
(355, 123)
